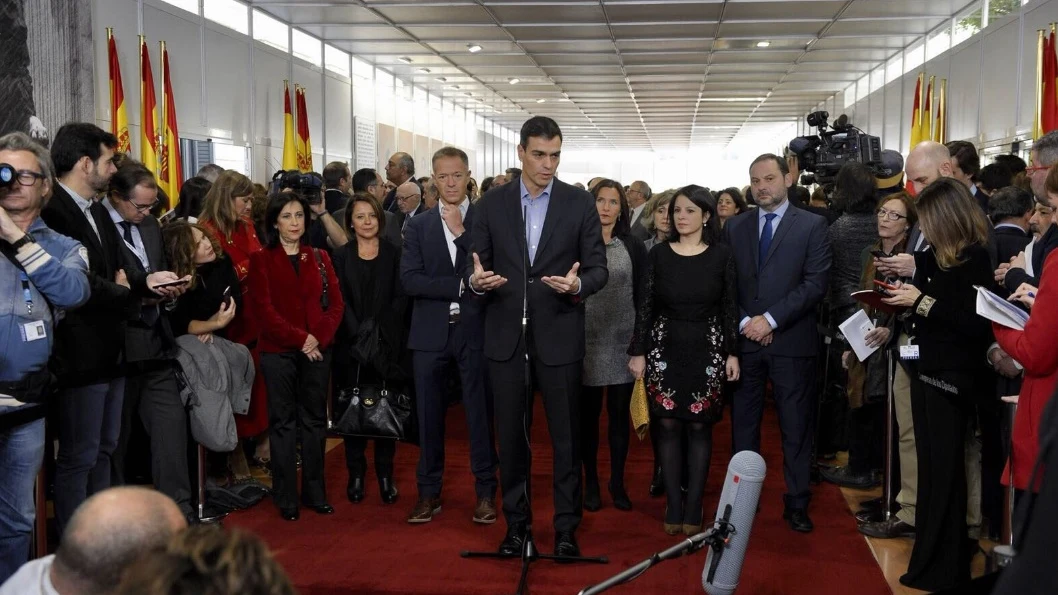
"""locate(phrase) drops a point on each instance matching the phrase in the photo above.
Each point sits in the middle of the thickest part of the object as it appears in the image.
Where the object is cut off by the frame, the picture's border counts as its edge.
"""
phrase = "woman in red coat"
(226, 214)
(295, 300)
(1036, 350)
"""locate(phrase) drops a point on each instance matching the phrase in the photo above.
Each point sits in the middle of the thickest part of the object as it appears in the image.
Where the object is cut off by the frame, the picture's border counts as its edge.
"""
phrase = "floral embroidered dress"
(688, 326)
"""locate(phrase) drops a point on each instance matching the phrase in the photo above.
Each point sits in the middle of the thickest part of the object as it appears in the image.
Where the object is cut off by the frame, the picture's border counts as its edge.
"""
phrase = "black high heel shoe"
(388, 490)
(289, 514)
(620, 497)
(657, 484)
(355, 490)
(592, 499)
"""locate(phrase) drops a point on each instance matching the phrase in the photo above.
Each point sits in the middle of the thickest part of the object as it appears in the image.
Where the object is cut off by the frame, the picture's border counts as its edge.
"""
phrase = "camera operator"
(325, 231)
(41, 271)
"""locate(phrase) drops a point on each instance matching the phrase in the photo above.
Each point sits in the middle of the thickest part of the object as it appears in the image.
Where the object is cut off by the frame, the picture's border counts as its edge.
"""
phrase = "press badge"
(909, 352)
(33, 331)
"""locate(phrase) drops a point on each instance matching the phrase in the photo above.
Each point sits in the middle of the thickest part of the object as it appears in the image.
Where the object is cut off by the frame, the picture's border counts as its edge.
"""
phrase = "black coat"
(90, 339)
(1046, 243)
(147, 337)
(571, 234)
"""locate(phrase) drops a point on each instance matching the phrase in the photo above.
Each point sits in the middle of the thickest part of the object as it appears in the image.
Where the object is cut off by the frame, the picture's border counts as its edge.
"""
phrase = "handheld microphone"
(734, 519)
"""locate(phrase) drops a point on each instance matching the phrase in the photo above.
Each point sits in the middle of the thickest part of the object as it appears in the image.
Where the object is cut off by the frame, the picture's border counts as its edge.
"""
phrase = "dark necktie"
(126, 232)
(765, 239)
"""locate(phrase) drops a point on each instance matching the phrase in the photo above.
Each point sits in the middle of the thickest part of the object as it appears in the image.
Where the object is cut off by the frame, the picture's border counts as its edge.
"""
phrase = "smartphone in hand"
(176, 283)
(225, 298)
(880, 254)
(883, 287)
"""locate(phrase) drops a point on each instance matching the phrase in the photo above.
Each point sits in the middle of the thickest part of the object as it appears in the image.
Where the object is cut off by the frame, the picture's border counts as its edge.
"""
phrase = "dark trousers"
(356, 462)
(430, 383)
(89, 427)
(560, 386)
(297, 393)
(792, 383)
(152, 393)
(867, 437)
(940, 558)
(618, 399)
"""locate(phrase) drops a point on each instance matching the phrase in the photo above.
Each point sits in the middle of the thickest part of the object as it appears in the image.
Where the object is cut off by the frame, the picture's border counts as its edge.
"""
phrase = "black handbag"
(374, 411)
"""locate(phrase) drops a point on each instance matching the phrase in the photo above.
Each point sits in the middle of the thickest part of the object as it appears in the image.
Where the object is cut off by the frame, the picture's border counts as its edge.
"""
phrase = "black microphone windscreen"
(745, 478)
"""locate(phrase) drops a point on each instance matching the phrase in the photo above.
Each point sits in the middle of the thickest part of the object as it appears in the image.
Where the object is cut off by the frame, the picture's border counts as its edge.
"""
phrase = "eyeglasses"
(145, 207)
(890, 215)
(1035, 168)
(407, 197)
(24, 177)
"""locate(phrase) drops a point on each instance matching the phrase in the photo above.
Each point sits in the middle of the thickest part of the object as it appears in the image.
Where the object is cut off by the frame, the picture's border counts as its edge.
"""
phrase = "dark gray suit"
(789, 286)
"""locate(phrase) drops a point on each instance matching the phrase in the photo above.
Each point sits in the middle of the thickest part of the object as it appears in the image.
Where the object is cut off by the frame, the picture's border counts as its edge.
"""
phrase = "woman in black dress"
(688, 329)
(368, 272)
(949, 375)
(205, 309)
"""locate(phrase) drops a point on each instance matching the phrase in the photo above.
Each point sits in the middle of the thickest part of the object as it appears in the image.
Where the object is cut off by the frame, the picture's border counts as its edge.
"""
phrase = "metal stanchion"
(890, 413)
(40, 521)
(202, 517)
(1003, 553)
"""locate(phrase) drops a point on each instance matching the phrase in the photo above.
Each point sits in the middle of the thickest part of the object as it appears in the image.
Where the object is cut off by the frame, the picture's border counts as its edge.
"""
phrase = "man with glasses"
(409, 203)
(1044, 154)
(41, 274)
(150, 386)
(638, 194)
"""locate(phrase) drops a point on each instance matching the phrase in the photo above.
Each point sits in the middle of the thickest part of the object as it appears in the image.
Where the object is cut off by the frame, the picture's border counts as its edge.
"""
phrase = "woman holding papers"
(950, 341)
(1036, 350)
(866, 387)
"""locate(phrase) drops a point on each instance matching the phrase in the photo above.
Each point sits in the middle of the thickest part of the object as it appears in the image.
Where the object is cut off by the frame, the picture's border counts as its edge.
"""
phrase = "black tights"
(674, 459)
(618, 397)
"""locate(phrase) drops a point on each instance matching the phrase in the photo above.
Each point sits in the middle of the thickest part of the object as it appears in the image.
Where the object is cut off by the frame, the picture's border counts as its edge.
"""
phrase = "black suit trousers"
(792, 384)
(560, 387)
(431, 369)
(297, 393)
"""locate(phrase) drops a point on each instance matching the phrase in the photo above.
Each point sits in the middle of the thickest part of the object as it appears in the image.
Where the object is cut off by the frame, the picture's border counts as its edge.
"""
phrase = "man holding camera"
(42, 273)
(325, 231)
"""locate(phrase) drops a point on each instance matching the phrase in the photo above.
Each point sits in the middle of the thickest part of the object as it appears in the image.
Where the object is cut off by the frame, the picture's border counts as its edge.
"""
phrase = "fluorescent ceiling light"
(540, 100)
(730, 99)
(424, 70)
(404, 59)
(473, 48)
(441, 79)
(763, 44)
(513, 81)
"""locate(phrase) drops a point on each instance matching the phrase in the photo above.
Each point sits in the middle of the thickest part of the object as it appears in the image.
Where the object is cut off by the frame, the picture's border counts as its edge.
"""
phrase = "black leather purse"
(374, 411)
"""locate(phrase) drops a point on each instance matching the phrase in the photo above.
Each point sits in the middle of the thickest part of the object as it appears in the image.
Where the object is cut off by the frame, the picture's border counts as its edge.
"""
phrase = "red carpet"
(369, 548)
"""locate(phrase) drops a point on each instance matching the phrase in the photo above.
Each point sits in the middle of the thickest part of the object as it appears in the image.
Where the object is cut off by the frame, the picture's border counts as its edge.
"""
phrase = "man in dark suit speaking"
(538, 253)
(782, 257)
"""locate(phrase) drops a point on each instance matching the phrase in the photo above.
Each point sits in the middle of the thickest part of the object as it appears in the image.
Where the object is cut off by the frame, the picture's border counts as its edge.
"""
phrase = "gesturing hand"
(482, 280)
(224, 314)
(570, 283)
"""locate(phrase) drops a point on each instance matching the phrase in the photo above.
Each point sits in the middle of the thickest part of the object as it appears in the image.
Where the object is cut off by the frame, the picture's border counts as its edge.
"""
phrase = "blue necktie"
(765, 239)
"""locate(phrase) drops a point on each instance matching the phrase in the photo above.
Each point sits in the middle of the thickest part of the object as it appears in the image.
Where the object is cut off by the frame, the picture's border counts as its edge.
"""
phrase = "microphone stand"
(529, 553)
(714, 538)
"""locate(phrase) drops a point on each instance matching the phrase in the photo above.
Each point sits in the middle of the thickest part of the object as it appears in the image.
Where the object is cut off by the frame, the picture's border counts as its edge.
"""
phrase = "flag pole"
(1037, 125)
(160, 134)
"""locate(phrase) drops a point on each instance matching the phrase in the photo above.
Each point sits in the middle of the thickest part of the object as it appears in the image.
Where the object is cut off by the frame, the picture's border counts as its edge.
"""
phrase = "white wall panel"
(963, 87)
(228, 85)
(338, 120)
(182, 39)
(999, 91)
(269, 71)
(896, 122)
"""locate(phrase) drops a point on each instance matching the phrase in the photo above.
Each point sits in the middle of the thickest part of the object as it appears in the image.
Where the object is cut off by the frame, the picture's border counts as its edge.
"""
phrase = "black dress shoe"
(890, 529)
(845, 477)
(388, 490)
(566, 545)
(657, 484)
(513, 542)
(798, 520)
(592, 499)
(620, 497)
(320, 508)
(289, 514)
(355, 489)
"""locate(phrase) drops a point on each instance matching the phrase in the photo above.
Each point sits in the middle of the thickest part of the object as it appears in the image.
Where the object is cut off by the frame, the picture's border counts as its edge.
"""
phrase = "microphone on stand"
(734, 521)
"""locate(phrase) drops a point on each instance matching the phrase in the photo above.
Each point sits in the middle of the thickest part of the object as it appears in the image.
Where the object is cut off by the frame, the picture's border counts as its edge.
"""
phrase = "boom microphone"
(734, 517)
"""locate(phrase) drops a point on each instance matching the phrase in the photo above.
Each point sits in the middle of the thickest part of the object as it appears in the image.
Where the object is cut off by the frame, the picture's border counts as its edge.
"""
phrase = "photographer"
(325, 231)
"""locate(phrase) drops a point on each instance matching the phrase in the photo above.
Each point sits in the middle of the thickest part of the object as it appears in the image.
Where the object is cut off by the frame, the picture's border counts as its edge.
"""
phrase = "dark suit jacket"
(982, 200)
(90, 339)
(433, 282)
(1047, 242)
(791, 283)
(145, 339)
(402, 217)
(571, 234)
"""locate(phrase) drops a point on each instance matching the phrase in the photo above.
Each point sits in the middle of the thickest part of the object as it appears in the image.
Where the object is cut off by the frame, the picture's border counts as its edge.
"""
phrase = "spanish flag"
(916, 114)
(940, 125)
(171, 175)
(148, 111)
(290, 154)
(119, 118)
(927, 112)
(304, 144)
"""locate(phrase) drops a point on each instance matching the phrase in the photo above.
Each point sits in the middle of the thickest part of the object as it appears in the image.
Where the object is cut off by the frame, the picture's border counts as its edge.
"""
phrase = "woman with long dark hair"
(688, 329)
(610, 321)
(951, 340)
(375, 314)
(293, 295)
(729, 202)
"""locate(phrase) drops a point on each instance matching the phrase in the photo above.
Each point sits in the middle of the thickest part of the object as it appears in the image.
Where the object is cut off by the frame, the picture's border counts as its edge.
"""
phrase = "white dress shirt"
(84, 205)
(453, 308)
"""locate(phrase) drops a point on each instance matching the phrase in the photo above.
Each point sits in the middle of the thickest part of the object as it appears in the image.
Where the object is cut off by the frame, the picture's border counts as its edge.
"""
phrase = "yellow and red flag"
(940, 125)
(304, 144)
(290, 152)
(916, 114)
(927, 112)
(119, 117)
(171, 174)
(148, 111)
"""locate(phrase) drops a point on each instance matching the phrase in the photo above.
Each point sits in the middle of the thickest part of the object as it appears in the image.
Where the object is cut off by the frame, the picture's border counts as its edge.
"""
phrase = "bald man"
(105, 534)
(408, 199)
(399, 169)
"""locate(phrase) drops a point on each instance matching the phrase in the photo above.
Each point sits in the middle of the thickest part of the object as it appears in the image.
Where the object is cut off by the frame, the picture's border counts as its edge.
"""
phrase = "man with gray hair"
(41, 274)
(638, 194)
(399, 169)
(210, 171)
(1043, 156)
(105, 535)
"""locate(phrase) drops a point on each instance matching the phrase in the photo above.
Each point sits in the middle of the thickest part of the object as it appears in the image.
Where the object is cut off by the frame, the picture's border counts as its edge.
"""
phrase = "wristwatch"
(26, 239)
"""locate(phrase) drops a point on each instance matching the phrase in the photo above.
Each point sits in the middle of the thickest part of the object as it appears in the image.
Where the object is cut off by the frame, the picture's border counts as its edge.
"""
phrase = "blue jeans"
(21, 455)
(89, 425)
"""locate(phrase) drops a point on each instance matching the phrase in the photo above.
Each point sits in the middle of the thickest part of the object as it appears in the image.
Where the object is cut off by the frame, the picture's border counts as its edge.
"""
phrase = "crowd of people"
(319, 283)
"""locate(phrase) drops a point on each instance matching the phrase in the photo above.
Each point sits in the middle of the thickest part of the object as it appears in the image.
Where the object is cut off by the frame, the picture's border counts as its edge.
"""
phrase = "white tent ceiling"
(627, 74)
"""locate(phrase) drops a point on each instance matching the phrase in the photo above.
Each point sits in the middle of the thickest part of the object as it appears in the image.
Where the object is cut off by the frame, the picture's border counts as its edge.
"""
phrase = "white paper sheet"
(998, 310)
(855, 330)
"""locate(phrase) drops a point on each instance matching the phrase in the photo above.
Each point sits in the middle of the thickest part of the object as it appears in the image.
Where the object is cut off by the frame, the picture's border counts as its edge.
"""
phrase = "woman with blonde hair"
(226, 214)
(657, 223)
(948, 377)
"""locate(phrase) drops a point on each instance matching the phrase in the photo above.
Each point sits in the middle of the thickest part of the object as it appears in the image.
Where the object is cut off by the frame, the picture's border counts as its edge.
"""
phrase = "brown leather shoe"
(424, 510)
(485, 511)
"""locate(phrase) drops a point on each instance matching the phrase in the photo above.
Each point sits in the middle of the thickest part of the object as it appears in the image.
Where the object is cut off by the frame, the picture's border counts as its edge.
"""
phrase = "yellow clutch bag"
(638, 408)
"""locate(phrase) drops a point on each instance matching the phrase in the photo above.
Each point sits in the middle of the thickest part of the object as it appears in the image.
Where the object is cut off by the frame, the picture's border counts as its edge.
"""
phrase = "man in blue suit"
(783, 258)
(447, 326)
